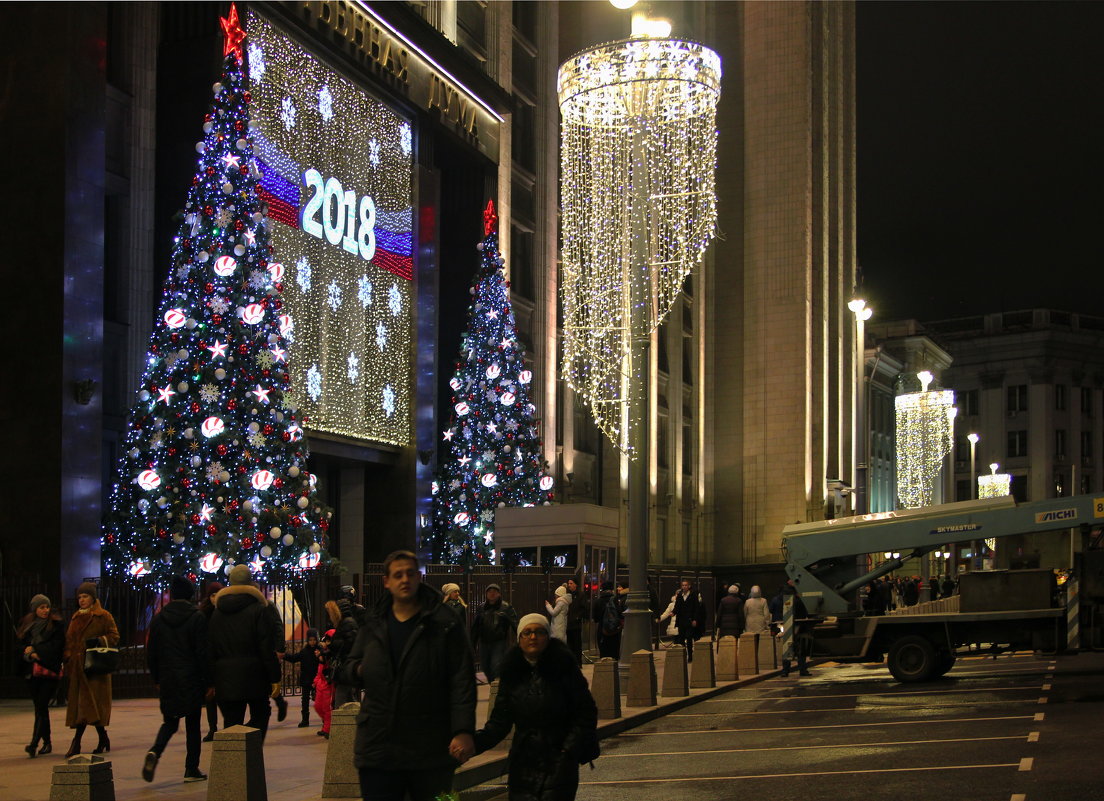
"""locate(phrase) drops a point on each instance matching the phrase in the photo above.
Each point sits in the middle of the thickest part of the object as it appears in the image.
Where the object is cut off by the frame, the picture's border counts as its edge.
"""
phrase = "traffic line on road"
(1042, 699)
(1018, 797)
(1039, 717)
(838, 709)
(672, 780)
(1026, 763)
(859, 695)
(1046, 687)
(910, 722)
(816, 747)
(1033, 737)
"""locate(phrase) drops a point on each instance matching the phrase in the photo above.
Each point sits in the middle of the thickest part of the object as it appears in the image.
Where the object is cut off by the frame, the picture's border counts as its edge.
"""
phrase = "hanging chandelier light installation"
(995, 485)
(638, 156)
(925, 425)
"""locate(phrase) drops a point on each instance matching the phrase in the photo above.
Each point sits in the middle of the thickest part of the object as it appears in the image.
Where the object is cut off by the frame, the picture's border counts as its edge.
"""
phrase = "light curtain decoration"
(995, 485)
(925, 425)
(638, 156)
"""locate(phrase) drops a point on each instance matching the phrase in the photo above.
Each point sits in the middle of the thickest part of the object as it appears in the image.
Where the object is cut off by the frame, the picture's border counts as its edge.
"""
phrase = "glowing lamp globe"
(508, 398)
(175, 318)
(262, 480)
(525, 376)
(494, 371)
(148, 480)
(253, 313)
(462, 408)
(546, 483)
(309, 560)
(225, 265)
(488, 479)
(138, 569)
(276, 270)
(461, 519)
(212, 427)
(210, 563)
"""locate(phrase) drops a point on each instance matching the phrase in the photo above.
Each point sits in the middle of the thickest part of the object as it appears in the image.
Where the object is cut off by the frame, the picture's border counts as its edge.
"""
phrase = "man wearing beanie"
(178, 662)
(494, 630)
(246, 669)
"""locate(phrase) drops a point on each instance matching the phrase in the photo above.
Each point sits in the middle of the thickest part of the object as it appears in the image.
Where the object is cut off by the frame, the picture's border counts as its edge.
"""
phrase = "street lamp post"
(859, 426)
(973, 437)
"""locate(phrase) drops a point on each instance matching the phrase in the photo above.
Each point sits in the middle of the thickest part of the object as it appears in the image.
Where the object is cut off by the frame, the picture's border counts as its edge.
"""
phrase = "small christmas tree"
(493, 453)
(212, 470)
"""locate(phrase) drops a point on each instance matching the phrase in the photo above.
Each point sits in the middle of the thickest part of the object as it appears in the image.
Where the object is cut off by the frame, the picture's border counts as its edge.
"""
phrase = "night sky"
(980, 180)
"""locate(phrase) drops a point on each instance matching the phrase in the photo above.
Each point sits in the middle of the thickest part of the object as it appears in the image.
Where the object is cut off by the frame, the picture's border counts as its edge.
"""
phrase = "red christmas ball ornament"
(172, 451)
(209, 211)
(216, 319)
(243, 170)
(175, 337)
(208, 288)
(247, 542)
(194, 408)
(279, 287)
(239, 126)
(212, 529)
(295, 521)
(241, 469)
(268, 429)
(243, 349)
(277, 482)
(221, 450)
(195, 180)
(232, 404)
(195, 520)
(210, 170)
(286, 436)
(247, 96)
(239, 225)
(324, 525)
(185, 482)
(110, 539)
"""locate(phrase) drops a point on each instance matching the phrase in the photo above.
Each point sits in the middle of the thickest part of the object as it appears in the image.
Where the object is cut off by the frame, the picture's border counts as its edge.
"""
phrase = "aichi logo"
(1056, 516)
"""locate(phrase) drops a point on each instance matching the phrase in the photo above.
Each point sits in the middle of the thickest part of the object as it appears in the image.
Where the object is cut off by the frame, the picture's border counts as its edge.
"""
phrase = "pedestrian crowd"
(888, 593)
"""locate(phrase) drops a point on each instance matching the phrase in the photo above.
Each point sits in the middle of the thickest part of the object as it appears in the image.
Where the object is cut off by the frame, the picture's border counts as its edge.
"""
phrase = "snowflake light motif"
(208, 393)
(381, 336)
(406, 138)
(258, 279)
(303, 274)
(256, 62)
(265, 359)
(388, 400)
(257, 439)
(364, 291)
(394, 300)
(325, 103)
(374, 153)
(487, 515)
(214, 469)
(354, 367)
(219, 305)
(333, 295)
(314, 383)
(287, 113)
(223, 217)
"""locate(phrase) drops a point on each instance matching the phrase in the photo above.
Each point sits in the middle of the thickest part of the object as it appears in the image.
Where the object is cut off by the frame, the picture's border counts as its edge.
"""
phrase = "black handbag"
(101, 661)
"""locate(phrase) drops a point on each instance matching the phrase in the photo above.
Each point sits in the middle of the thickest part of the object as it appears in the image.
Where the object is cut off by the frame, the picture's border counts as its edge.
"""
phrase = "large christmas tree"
(212, 470)
(493, 453)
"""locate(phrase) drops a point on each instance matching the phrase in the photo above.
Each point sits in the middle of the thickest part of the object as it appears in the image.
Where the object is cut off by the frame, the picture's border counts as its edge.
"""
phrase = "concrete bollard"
(605, 686)
(703, 673)
(237, 770)
(674, 673)
(83, 778)
(642, 680)
(727, 669)
(747, 655)
(767, 657)
(341, 778)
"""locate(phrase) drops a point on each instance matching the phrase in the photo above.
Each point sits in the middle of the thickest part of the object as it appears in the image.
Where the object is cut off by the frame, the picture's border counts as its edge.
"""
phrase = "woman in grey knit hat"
(43, 639)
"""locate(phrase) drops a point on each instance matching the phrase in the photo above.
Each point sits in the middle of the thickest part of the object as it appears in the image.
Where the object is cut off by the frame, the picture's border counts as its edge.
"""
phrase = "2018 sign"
(344, 221)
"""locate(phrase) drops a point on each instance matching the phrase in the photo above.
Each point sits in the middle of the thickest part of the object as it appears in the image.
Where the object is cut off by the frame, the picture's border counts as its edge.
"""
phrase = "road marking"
(1026, 763)
(816, 747)
(1046, 687)
(1042, 699)
(1039, 717)
(857, 695)
(1033, 737)
(1015, 797)
(1049, 676)
(837, 709)
(911, 722)
(795, 775)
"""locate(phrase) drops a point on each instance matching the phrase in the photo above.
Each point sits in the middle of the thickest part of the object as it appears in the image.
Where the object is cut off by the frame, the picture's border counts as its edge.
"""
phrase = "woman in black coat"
(543, 695)
(43, 639)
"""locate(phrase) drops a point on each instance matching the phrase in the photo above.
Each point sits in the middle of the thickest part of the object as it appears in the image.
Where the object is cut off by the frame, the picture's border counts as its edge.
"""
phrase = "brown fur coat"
(89, 696)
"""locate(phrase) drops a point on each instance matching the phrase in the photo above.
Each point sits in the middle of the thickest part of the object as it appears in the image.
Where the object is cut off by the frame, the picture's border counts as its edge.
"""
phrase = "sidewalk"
(294, 757)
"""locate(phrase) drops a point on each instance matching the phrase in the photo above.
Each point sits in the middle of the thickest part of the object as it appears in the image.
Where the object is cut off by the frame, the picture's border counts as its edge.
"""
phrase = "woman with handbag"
(43, 640)
(89, 667)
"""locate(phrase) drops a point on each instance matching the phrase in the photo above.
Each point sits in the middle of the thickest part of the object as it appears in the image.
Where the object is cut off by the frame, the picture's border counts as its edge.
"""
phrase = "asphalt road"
(1016, 728)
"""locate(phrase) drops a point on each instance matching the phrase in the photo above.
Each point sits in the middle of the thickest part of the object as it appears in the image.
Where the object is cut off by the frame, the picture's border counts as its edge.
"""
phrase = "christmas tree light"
(212, 472)
(493, 454)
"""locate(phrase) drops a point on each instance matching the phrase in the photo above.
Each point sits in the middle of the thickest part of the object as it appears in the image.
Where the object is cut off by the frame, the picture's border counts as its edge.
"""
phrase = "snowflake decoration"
(381, 336)
(287, 113)
(223, 217)
(388, 400)
(257, 439)
(333, 295)
(256, 62)
(264, 359)
(364, 291)
(325, 103)
(314, 383)
(406, 138)
(303, 274)
(156, 441)
(488, 456)
(219, 305)
(511, 425)
(354, 367)
(214, 469)
(487, 515)
(374, 153)
(208, 393)
(182, 271)
(394, 300)
(454, 484)
(258, 279)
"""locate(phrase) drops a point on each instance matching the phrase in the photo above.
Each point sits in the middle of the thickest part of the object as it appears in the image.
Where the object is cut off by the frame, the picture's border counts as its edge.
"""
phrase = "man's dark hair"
(396, 556)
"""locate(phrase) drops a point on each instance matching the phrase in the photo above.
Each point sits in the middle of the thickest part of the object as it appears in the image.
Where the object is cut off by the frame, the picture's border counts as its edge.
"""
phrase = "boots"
(32, 749)
(44, 734)
(75, 746)
(306, 718)
(104, 743)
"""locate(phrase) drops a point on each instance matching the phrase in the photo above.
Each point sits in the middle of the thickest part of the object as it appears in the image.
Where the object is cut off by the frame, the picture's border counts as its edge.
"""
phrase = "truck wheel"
(912, 658)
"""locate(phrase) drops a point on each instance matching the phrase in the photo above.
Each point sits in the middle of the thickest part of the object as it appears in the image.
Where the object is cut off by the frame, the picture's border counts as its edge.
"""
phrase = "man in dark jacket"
(608, 627)
(494, 630)
(576, 612)
(416, 667)
(802, 632)
(689, 617)
(178, 663)
(246, 670)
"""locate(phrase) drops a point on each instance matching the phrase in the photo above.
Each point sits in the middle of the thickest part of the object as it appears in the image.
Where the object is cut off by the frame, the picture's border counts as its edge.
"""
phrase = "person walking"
(689, 613)
(89, 695)
(576, 612)
(802, 633)
(176, 653)
(757, 615)
(43, 639)
(309, 657)
(324, 687)
(207, 608)
(558, 613)
(343, 618)
(544, 698)
(454, 602)
(247, 672)
(414, 662)
(730, 614)
(609, 620)
(493, 631)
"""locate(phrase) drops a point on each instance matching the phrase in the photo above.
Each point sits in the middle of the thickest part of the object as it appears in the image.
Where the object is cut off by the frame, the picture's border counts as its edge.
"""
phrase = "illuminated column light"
(639, 121)
(995, 485)
(925, 422)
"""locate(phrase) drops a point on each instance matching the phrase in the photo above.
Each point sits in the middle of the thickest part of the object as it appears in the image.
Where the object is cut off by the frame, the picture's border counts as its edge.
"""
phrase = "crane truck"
(1009, 609)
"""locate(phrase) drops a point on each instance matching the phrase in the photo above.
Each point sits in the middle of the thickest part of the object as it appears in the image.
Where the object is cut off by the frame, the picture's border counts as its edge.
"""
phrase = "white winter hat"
(561, 591)
(529, 620)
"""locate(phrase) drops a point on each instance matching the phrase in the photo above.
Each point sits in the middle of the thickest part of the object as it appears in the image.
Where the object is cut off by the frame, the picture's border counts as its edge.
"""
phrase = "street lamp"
(859, 426)
(973, 437)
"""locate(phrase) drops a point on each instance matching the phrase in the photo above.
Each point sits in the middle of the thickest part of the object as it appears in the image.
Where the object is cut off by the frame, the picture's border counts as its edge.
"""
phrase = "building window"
(1086, 445)
(1017, 444)
(1060, 486)
(1086, 400)
(661, 350)
(687, 361)
(661, 440)
(1019, 488)
(521, 262)
(1086, 483)
(1059, 443)
(969, 402)
(962, 490)
(687, 446)
(962, 449)
(1017, 398)
(1060, 397)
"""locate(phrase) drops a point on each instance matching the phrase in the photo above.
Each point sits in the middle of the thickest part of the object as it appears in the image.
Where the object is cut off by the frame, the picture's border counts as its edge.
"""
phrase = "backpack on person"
(611, 617)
